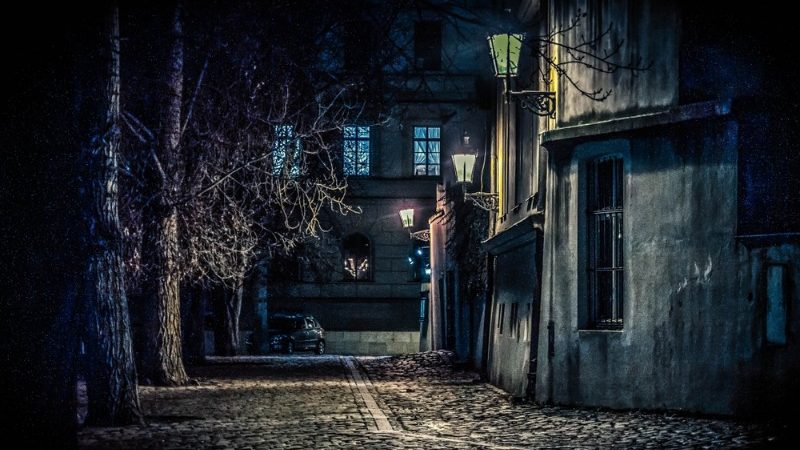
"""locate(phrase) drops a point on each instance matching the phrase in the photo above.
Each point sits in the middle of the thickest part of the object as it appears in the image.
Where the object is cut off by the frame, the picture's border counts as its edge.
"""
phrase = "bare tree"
(598, 53)
(111, 377)
(248, 169)
(163, 361)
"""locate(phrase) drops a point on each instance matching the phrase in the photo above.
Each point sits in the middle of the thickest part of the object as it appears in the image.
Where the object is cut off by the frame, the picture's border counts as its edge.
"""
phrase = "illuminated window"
(419, 262)
(356, 253)
(356, 150)
(287, 151)
(427, 146)
(605, 242)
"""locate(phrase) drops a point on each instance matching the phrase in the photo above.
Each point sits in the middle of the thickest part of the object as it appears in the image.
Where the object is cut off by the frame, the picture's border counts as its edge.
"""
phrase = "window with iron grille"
(287, 151)
(356, 150)
(427, 146)
(605, 212)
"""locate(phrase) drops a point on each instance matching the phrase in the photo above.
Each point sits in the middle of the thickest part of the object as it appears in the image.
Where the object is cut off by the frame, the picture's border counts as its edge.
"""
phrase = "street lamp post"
(505, 49)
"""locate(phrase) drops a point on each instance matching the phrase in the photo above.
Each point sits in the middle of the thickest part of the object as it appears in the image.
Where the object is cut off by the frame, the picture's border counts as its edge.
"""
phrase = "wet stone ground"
(410, 402)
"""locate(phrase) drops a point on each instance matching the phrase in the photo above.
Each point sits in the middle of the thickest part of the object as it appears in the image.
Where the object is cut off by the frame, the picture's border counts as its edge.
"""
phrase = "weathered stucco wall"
(646, 29)
(693, 328)
(509, 351)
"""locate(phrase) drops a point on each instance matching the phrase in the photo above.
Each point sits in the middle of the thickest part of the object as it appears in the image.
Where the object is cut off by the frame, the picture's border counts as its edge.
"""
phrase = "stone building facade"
(433, 95)
(645, 250)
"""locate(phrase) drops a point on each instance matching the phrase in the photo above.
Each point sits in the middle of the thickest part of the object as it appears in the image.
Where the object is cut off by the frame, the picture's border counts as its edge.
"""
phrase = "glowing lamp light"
(505, 49)
(464, 165)
(407, 217)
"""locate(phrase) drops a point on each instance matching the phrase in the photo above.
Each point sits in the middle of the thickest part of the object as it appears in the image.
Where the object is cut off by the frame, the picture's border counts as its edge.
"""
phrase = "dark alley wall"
(694, 294)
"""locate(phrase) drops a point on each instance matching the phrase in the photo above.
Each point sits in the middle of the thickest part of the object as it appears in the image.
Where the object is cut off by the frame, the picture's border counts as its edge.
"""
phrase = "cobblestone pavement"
(414, 401)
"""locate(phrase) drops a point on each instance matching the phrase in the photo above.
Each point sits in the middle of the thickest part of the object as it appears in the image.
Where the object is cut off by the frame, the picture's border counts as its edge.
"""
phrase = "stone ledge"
(683, 113)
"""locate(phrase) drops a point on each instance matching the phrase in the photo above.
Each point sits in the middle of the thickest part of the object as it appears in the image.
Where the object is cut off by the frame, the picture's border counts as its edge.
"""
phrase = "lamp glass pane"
(505, 50)
(464, 164)
(407, 217)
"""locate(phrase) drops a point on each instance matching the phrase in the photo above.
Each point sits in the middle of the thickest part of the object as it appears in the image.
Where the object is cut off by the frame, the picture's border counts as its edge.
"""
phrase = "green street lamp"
(407, 219)
(505, 49)
(464, 166)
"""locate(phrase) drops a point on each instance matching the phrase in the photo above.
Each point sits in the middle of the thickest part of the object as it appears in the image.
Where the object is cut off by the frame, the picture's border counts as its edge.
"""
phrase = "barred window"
(356, 152)
(427, 147)
(606, 301)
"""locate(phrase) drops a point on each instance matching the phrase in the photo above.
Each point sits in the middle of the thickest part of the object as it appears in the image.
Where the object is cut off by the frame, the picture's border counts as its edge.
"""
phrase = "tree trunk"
(164, 360)
(227, 308)
(111, 378)
(167, 365)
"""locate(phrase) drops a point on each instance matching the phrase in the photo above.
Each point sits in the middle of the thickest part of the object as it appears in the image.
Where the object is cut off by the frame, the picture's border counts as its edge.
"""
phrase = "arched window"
(357, 257)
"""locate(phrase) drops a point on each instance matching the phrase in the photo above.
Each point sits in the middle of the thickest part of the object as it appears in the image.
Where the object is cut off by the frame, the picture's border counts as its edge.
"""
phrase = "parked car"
(294, 332)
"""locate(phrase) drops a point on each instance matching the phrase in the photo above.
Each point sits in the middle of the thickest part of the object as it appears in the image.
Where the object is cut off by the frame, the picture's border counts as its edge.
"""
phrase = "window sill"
(590, 331)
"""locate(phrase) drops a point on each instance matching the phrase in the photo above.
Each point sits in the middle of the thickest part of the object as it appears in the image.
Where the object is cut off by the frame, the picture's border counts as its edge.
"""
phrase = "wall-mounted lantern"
(505, 49)
(464, 166)
(407, 219)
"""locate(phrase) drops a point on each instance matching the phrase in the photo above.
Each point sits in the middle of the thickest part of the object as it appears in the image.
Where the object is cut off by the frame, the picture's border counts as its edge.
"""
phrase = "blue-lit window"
(356, 150)
(427, 148)
(419, 263)
(287, 151)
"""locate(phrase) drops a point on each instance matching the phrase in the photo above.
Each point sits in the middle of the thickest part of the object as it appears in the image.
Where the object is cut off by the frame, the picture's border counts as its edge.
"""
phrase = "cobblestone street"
(414, 401)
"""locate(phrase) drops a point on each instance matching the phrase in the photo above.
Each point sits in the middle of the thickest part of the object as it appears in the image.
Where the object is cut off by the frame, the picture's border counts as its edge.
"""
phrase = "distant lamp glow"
(464, 166)
(407, 217)
(505, 50)
(464, 163)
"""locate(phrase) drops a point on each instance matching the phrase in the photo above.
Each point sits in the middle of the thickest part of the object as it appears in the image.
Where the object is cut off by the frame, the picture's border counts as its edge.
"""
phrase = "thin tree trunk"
(168, 366)
(111, 381)
(227, 307)
(233, 308)
(165, 361)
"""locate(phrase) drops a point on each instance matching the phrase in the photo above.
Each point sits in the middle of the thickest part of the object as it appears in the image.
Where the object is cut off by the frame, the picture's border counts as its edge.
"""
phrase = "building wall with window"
(661, 286)
(394, 161)
(515, 236)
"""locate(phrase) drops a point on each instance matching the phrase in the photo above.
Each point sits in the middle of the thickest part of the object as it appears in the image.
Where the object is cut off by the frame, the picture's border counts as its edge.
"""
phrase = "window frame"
(426, 140)
(356, 140)
(609, 258)
(346, 275)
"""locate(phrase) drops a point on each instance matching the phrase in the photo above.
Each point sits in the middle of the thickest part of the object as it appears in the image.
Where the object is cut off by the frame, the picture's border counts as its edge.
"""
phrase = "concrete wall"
(515, 284)
(693, 332)
(648, 30)
(372, 342)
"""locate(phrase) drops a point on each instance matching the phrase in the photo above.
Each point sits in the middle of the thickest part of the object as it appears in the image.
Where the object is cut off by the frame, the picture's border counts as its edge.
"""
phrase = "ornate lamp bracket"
(541, 103)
